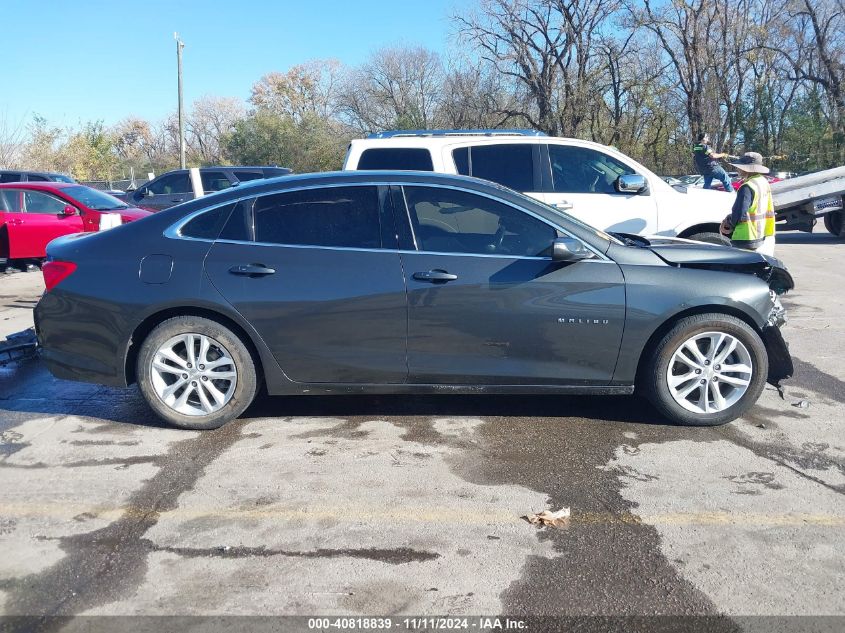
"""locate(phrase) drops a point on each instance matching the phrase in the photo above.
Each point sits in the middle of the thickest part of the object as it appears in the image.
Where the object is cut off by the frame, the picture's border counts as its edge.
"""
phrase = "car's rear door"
(38, 219)
(320, 280)
(487, 305)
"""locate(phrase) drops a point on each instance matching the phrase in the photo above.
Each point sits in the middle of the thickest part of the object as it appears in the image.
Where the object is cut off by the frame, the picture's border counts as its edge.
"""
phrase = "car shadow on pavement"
(603, 408)
(28, 390)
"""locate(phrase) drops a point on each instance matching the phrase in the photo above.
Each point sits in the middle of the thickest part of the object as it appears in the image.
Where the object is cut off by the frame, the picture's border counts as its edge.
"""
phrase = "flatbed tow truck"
(801, 201)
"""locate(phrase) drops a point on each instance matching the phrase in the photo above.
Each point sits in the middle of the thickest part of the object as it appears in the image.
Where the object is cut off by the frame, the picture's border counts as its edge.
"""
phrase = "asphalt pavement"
(397, 505)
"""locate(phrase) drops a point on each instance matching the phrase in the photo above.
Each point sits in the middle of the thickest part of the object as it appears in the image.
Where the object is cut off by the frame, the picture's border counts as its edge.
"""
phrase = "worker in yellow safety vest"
(751, 224)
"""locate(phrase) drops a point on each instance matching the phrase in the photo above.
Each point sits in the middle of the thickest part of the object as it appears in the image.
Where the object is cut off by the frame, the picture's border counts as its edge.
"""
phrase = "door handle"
(563, 205)
(434, 276)
(15, 221)
(251, 270)
(177, 199)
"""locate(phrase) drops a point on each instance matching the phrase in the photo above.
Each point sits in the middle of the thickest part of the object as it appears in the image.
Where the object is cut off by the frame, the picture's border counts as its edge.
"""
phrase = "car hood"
(133, 213)
(690, 254)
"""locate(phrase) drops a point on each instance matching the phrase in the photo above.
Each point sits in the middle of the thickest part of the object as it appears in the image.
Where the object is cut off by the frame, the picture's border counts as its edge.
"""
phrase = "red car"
(736, 182)
(33, 213)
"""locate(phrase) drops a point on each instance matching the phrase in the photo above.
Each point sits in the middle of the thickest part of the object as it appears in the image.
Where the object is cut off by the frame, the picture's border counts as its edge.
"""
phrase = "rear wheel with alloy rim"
(195, 373)
(707, 370)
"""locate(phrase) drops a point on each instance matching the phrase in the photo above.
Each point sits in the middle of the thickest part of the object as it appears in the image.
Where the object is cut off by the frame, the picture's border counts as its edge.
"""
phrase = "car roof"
(39, 185)
(231, 167)
(440, 141)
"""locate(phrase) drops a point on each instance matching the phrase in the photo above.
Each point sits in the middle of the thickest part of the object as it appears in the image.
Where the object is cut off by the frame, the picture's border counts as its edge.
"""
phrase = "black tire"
(654, 384)
(710, 237)
(245, 385)
(834, 223)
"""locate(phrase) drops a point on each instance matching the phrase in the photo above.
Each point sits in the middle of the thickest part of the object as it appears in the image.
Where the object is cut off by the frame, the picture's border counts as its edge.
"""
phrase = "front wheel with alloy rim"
(195, 373)
(707, 370)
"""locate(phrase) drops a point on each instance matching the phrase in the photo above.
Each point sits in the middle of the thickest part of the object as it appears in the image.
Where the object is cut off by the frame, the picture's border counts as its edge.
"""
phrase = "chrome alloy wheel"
(193, 374)
(709, 372)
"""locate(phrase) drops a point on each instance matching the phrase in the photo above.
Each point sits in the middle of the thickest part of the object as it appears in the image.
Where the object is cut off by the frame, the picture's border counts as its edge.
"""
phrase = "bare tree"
(210, 119)
(305, 89)
(12, 140)
(398, 87)
(547, 47)
(686, 32)
(816, 29)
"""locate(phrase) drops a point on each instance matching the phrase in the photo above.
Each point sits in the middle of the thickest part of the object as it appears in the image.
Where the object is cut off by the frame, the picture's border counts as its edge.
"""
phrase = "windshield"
(93, 199)
(63, 178)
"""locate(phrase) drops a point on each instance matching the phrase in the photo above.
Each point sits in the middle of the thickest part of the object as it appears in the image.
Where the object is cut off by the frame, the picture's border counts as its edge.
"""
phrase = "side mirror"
(631, 183)
(148, 193)
(69, 210)
(568, 249)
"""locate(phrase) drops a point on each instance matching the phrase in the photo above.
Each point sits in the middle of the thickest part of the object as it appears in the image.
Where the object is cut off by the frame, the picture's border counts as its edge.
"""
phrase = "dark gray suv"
(405, 282)
(17, 175)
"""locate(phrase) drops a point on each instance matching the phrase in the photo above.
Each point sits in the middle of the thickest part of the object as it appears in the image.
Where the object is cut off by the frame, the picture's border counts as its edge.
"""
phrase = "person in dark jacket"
(707, 163)
(751, 224)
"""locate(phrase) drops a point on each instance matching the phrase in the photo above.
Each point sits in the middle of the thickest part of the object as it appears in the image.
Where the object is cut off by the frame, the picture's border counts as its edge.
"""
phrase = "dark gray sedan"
(405, 282)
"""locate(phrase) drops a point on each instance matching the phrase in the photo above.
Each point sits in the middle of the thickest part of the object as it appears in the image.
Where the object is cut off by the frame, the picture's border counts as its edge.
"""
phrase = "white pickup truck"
(593, 182)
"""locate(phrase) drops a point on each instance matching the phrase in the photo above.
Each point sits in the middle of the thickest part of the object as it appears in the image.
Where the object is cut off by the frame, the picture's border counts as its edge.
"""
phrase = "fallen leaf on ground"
(547, 517)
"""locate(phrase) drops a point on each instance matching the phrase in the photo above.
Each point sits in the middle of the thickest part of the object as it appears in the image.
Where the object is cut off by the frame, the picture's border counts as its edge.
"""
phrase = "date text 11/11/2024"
(480, 623)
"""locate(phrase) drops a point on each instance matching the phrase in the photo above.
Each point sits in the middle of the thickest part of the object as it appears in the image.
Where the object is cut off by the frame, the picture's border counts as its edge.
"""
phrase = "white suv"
(593, 182)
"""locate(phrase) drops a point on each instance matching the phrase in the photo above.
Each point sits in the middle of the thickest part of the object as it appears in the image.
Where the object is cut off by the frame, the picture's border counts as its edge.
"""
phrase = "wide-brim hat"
(751, 162)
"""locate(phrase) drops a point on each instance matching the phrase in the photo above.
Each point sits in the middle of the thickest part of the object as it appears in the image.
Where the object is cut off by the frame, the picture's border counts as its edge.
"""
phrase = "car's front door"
(164, 192)
(583, 184)
(486, 303)
(321, 282)
(36, 218)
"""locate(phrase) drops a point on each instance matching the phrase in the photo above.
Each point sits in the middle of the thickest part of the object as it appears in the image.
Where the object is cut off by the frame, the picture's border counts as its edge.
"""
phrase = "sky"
(73, 61)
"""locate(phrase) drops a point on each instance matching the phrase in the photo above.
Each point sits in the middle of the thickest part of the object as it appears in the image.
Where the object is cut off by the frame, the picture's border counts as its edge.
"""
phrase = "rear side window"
(511, 165)
(403, 159)
(10, 200)
(206, 226)
(214, 181)
(244, 176)
(334, 216)
(239, 226)
(10, 177)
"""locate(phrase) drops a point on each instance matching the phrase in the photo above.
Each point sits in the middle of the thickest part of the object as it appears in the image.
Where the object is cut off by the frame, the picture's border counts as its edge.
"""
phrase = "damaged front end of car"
(769, 269)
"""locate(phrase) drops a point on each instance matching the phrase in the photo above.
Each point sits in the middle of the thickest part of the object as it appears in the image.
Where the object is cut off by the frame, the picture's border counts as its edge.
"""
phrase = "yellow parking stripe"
(413, 515)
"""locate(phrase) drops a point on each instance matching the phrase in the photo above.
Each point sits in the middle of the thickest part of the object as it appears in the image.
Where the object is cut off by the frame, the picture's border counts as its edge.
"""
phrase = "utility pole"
(179, 46)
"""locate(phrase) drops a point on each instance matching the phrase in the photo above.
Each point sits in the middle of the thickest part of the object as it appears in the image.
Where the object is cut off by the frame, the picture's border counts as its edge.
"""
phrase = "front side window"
(174, 183)
(452, 221)
(584, 170)
(509, 164)
(37, 202)
(214, 181)
(37, 178)
(333, 216)
(399, 158)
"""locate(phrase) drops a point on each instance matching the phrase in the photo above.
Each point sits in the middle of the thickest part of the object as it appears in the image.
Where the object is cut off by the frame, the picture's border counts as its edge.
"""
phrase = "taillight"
(56, 272)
